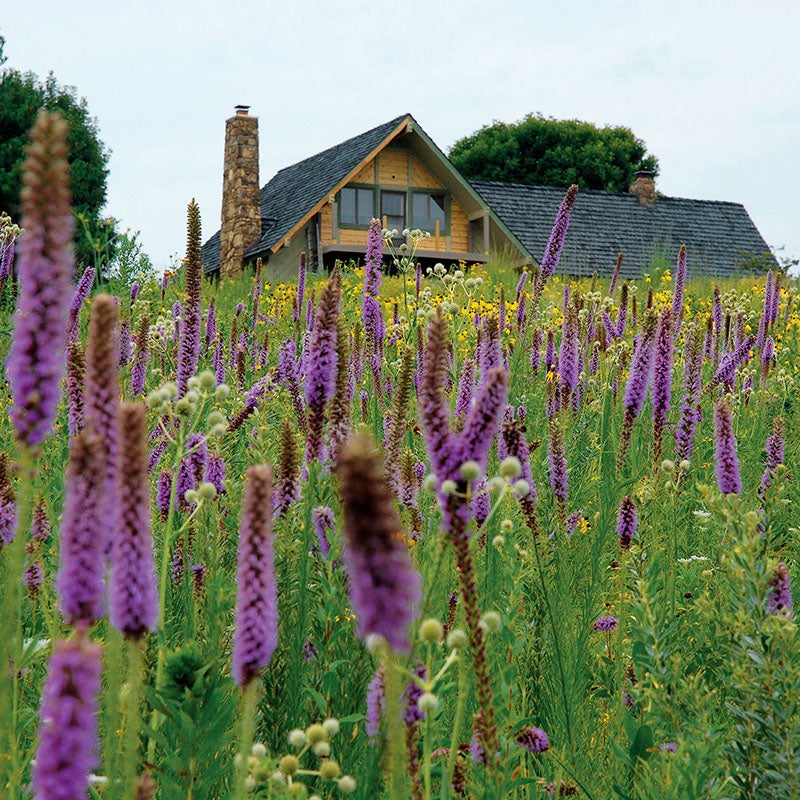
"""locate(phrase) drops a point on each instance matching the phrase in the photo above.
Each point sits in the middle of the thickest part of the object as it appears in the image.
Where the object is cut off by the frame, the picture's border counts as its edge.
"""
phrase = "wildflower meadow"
(393, 531)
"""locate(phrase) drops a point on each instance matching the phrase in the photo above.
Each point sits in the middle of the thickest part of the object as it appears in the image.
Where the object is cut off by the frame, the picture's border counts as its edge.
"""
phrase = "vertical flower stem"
(166, 548)
(395, 732)
(11, 623)
(248, 706)
(132, 719)
(556, 643)
(458, 721)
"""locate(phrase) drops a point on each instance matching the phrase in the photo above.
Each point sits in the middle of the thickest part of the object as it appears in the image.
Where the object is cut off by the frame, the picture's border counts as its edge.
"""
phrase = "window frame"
(356, 187)
(427, 193)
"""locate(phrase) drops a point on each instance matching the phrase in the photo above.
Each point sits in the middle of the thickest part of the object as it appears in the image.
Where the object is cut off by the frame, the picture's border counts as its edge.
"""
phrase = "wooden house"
(324, 204)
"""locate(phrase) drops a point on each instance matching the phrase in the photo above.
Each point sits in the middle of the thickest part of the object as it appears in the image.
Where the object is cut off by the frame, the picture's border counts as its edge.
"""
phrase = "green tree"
(21, 97)
(550, 152)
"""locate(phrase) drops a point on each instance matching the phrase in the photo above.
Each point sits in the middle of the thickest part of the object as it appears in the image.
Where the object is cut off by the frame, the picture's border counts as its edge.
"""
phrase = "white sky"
(713, 88)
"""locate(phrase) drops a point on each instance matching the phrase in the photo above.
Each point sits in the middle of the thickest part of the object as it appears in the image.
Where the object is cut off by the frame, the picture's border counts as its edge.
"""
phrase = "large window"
(393, 210)
(356, 206)
(429, 208)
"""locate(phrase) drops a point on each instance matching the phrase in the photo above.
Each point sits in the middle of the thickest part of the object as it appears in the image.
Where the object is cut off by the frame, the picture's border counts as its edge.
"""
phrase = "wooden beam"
(486, 234)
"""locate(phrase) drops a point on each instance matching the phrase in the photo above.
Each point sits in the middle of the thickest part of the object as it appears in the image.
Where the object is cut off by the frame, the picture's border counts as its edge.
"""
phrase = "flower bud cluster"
(284, 772)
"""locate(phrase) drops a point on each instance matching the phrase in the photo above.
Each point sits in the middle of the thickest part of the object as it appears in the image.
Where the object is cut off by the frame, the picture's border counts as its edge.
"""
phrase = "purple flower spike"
(132, 591)
(323, 522)
(82, 291)
(627, 522)
(256, 635)
(38, 347)
(728, 478)
(533, 739)
(83, 532)
(376, 706)
(780, 597)
(68, 743)
(555, 245)
(385, 588)
(662, 380)
(189, 349)
(323, 359)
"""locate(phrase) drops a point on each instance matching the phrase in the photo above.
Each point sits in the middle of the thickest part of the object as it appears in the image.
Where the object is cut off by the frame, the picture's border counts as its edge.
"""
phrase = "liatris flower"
(552, 252)
(662, 380)
(133, 594)
(690, 414)
(774, 455)
(466, 388)
(321, 377)
(370, 305)
(177, 566)
(84, 532)
(124, 342)
(550, 352)
(256, 635)
(215, 473)
(252, 400)
(627, 522)
(482, 423)
(141, 357)
(636, 387)
(677, 296)
(780, 596)
(491, 354)
(177, 320)
(68, 744)
(568, 366)
(726, 372)
(33, 579)
(533, 739)
(301, 288)
(38, 346)
(767, 357)
(163, 492)
(40, 527)
(376, 705)
(607, 624)
(323, 520)
(219, 361)
(82, 291)
(536, 349)
(101, 393)
(198, 579)
(192, 467)
(288, 489)
(310, 650)
(727, 461)
(385, 588)
(76, 373)
(615, 276)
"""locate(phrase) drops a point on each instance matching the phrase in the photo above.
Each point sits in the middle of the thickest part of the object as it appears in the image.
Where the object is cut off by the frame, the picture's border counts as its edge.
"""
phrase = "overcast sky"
(711, 87)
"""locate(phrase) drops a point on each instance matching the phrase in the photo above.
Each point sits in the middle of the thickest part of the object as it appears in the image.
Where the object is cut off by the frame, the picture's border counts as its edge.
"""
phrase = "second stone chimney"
(241, 195)
(644, 187)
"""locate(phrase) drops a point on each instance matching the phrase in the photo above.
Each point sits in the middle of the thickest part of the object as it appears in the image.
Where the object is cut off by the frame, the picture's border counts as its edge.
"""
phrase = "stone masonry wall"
(241, 208)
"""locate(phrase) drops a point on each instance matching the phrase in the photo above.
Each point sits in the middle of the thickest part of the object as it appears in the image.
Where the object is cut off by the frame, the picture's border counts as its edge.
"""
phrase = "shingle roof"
(718, 235)
(294, 191)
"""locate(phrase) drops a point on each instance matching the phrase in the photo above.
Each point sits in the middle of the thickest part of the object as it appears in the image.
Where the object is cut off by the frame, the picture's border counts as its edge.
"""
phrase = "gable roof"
(294, 193)
(718, 235)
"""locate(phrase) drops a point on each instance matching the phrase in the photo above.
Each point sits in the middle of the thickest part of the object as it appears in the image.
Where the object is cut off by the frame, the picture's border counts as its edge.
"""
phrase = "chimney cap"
(643, 173)
(242, 110)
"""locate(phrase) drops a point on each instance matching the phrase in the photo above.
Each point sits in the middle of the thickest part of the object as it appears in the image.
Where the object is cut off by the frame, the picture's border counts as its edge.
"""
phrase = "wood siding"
(394, 167)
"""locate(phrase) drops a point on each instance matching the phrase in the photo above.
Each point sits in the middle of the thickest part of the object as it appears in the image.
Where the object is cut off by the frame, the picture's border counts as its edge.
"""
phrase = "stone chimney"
(241, 195)
(644, 187)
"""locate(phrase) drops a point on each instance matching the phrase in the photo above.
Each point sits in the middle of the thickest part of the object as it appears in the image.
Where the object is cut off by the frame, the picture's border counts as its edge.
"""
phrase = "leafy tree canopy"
(21, 97)
(549, 152)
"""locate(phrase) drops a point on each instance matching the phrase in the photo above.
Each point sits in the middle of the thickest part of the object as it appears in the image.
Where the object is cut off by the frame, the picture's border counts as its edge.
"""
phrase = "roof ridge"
(607, 193)
(389, 123)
